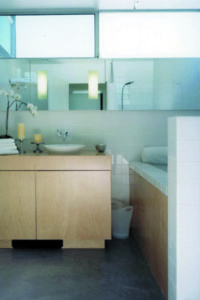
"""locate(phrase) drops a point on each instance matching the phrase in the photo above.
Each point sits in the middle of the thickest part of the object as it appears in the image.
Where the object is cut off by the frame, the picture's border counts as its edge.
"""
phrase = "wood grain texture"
(84, 244)
(5, 244)
(66, 162)
(56, 197)
(17, 205)
(73, 205)
(55, 162)
(150, 226)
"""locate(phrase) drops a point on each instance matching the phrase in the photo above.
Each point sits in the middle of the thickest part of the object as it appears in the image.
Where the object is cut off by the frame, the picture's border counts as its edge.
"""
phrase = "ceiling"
(69, 6)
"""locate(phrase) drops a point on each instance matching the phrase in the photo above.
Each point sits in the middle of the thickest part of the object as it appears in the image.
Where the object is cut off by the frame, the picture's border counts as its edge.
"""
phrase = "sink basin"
(64, 148)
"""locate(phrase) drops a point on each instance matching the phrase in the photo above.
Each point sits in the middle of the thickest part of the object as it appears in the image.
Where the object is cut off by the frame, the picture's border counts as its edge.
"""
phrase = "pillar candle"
(37, 138)
(21, 131)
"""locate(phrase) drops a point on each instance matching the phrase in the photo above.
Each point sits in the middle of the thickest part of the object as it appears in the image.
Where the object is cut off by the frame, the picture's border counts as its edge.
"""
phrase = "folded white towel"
(8, 148)
(7, 145)
(9, 152)
(155, 155)
(2, 141)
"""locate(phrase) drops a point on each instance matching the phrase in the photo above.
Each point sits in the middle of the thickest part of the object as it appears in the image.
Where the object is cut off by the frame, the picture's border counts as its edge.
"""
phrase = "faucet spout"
(65, 134)
(62, 133)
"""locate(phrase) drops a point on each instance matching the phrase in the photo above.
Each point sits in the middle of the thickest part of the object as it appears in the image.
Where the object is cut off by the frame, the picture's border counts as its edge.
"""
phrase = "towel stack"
(8, 146)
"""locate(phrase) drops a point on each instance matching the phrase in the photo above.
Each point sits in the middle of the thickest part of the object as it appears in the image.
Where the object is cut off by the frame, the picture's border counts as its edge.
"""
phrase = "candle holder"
(21, 146)
(37, 149)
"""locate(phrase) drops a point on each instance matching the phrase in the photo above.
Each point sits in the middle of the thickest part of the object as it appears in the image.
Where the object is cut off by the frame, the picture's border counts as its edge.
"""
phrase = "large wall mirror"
(123, 84)
(149, 82)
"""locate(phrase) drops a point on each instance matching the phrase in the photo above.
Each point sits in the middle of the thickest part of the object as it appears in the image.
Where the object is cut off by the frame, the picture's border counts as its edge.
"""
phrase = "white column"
(184, 208)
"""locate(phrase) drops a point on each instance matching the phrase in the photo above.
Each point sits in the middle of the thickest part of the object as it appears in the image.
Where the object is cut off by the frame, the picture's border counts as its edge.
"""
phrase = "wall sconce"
(93, 84)
(42, 85)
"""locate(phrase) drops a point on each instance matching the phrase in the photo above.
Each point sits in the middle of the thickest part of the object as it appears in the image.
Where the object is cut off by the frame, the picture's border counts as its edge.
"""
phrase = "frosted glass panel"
(164, 34)
(55, 36)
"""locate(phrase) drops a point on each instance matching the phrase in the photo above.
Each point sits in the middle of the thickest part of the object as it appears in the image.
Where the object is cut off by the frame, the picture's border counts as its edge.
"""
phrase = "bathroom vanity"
(56, 197)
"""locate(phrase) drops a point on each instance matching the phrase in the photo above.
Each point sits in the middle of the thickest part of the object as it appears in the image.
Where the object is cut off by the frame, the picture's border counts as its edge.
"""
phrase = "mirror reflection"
(79, 97)
(123, 84)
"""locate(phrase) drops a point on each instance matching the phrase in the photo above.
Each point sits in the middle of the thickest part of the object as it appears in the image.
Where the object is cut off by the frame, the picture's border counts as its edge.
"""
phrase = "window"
(7, 36)
(55, 36)
(149, 34)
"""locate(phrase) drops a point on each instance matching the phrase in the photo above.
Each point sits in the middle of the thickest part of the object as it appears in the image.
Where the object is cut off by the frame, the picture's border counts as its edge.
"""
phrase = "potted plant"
(12, 99)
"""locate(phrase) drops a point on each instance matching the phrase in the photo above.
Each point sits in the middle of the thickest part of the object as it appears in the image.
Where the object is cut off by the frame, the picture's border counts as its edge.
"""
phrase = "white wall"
(184, 208)
(124, 133)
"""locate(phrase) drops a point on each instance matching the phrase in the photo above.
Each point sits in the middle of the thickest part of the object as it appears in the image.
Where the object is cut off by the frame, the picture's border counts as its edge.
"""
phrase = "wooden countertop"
(85, 160)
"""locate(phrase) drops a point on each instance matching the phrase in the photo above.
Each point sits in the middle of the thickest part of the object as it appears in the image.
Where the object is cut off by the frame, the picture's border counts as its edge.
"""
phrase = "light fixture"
(93, 84)
(124, 85)
(42, 85)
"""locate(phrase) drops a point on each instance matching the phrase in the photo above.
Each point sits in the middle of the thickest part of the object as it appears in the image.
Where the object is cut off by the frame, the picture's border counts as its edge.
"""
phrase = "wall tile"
(184, 207)
(188, 273)
(188, 172)
(188, 128)
(188, 217)
(188, 150)
(190, 195)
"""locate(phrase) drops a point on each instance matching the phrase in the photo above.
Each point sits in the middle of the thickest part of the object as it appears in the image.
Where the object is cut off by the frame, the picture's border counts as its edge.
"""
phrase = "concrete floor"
(118, 272)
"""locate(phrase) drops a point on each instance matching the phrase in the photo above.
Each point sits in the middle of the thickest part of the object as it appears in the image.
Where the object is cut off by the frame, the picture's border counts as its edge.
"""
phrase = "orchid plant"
(12, 99)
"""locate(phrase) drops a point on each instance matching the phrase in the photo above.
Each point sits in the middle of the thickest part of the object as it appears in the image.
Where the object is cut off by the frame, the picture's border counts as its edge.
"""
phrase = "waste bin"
(121, 218)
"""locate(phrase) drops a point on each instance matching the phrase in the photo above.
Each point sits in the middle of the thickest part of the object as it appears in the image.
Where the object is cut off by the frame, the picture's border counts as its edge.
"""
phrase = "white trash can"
(121, 219)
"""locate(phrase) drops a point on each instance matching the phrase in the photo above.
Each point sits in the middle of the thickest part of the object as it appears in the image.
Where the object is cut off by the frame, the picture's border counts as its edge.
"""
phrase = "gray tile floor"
(118, 272)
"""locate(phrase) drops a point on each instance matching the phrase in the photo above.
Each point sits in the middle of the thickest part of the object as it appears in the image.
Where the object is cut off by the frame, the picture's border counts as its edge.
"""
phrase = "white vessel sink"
(64, 148)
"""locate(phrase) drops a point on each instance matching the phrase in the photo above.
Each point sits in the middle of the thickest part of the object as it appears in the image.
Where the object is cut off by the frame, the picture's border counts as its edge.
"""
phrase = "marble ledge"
(155, 174)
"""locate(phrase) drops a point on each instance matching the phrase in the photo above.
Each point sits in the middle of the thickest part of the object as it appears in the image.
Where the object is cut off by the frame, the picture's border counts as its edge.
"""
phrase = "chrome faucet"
(65, 134)
(62, 132)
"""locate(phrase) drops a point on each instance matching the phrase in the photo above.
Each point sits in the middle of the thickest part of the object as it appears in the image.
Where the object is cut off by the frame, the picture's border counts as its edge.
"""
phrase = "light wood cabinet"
(72, 203)
(150, 226)
(17, 205)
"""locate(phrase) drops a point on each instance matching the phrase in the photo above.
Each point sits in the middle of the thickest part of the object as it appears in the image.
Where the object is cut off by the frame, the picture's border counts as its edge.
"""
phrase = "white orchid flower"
(17, 96)
(34, 112)
(30, 106)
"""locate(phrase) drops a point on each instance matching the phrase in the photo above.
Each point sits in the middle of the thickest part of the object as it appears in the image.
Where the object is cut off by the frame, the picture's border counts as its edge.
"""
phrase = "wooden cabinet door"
(73, 205)
(17, 205)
